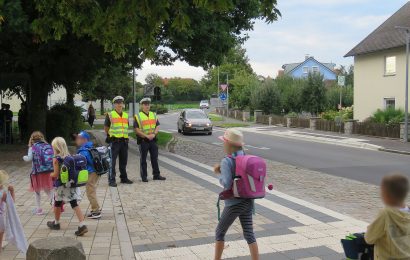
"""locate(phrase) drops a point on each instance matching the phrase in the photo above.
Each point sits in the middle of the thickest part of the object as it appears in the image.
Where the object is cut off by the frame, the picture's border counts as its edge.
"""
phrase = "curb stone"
(387, 150)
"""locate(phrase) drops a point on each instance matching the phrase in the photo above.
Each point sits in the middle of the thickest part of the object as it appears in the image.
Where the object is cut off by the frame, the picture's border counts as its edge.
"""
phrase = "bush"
(346, 113)
(266, 97)
(159, 109)
(388, 116)
(63, 120)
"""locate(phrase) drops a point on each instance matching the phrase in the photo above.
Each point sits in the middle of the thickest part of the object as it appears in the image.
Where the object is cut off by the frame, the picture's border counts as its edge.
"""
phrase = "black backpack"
(101, 159)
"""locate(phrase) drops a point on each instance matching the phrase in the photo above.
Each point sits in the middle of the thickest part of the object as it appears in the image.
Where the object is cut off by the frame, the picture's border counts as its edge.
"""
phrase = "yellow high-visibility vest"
(147, 123)
(119, 125)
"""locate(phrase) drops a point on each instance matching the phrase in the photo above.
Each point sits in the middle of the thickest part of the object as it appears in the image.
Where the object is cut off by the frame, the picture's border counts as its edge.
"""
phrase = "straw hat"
(233, 136)
(4, 177)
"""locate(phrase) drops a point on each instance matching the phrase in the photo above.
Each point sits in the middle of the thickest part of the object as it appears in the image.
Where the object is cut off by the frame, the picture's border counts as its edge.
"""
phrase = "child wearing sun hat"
(234, 207)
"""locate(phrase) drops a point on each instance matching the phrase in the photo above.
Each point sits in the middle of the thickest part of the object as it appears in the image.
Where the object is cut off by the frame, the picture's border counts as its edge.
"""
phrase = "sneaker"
(127, 181)
(94, 215)
(113, 184)
(38, 211)
(159, 178)
(81, 231)
(53, 226)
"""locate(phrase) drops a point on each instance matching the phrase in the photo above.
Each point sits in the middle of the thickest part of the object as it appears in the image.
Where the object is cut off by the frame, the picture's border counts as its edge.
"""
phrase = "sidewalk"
(358, 141)
(176, 219)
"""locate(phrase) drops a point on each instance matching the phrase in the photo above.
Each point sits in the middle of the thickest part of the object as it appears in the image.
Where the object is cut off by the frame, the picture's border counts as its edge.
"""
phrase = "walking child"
(63, 193)
(40, 153)
(3, 196)
(84, 144)
(234, 207)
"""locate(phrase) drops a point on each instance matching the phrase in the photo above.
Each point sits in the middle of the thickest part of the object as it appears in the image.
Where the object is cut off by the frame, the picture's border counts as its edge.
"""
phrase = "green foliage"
(159, 109)
(291, 93)
(162, 138)
(266, 97)
(313, 94)
(179, 106)
(63, 120)
(388, 116)
(215, 118)
(241, 87)
(333, 97)
(345, 113)
(184, 89)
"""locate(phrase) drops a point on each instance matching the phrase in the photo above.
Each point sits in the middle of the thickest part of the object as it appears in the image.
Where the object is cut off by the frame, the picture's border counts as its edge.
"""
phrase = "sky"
(325, 29)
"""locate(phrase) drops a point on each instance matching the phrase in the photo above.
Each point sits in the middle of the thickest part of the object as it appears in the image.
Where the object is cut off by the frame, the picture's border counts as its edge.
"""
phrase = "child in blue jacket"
(84, 144)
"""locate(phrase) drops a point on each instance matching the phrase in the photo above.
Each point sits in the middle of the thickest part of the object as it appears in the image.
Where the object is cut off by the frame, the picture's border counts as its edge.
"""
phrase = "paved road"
(353, 163)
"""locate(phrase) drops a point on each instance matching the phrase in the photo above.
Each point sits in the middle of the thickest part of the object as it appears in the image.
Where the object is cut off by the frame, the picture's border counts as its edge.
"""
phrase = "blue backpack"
(73, 171)
(42, 158)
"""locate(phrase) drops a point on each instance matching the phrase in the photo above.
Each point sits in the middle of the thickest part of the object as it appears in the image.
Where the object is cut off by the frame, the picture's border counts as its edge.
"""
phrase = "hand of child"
(217, 168)
(11, 189)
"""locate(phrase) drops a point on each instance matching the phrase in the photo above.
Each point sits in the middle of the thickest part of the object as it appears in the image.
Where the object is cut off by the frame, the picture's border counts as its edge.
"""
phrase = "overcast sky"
(325, 29)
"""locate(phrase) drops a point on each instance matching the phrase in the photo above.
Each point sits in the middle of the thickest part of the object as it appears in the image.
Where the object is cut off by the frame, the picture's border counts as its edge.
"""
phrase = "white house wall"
(371, 86)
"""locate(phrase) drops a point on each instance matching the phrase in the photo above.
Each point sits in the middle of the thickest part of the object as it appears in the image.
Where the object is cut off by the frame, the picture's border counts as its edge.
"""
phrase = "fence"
(299, 122)
(330, 126)
(376, 129)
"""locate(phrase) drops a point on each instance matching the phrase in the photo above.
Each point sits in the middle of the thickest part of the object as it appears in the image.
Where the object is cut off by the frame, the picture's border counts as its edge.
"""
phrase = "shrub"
(63, 120)
(345, 113)
(388, 116)
(266, 97)
(159, 109)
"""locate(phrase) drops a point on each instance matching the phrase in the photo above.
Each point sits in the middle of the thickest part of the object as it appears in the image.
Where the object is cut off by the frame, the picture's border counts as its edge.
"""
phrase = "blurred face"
(118, 106)
(146, 107)
(79, 141)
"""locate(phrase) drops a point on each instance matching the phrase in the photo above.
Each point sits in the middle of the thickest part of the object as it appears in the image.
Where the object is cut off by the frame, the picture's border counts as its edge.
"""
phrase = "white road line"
(291, 198)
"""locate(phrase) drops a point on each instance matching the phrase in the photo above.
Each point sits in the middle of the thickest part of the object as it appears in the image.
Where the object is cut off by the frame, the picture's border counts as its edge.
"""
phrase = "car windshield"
(204, 101)
(195, 115)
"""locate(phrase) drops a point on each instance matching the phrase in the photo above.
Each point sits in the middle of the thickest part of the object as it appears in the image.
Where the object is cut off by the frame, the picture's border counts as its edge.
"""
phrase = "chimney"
(307, 56)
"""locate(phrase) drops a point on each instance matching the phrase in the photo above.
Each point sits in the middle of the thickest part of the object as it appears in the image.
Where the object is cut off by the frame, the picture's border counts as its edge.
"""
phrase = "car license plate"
(200, 128)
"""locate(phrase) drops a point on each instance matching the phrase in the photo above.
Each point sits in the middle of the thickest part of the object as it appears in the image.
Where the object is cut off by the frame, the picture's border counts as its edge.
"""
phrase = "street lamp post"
(133, 91)
(406, 103)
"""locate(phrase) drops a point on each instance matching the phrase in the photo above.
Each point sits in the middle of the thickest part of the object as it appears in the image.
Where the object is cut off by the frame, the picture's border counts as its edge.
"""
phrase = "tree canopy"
(68, 42)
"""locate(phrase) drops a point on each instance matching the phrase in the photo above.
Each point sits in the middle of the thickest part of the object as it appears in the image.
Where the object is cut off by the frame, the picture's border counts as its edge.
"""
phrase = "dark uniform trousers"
(119, 148)
(152, 148)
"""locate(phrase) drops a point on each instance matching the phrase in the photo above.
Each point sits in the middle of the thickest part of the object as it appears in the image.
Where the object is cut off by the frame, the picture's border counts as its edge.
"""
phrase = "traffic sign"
(341, 81)
(224, 87)
(223, 96)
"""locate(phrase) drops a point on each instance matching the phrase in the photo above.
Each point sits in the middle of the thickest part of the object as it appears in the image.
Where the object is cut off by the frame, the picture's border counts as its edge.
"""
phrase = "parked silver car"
(194, 121)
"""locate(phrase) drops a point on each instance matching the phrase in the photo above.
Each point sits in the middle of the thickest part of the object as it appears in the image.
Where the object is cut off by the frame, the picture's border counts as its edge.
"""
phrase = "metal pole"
(406, 104)
(133, 91)
(218, 82)
(340, 99)
(227, 92)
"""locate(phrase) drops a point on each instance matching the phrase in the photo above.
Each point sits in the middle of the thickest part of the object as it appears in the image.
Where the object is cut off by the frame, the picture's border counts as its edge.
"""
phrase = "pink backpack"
(248, 179)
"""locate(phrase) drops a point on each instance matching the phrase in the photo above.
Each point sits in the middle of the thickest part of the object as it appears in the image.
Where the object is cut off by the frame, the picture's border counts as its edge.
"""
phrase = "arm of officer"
(156, 128)
(138, 131)
(107, 124)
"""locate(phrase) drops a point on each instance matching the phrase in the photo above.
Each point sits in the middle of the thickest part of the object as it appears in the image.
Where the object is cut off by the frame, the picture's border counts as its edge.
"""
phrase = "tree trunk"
(70, 96)
(102, 106)
(37, 107)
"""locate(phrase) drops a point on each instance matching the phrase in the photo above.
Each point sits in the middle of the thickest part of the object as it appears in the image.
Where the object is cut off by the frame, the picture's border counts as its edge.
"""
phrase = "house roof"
(386, 36)
(292, 66)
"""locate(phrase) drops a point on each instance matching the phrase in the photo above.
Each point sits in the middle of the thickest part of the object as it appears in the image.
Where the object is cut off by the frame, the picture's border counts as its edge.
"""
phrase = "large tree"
(35, 35)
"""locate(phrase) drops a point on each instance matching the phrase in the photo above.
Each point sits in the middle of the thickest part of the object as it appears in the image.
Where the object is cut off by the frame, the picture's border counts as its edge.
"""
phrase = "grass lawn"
(86, 126)
(179, 106)
(230, 125)
(162, 138)
(215, 118)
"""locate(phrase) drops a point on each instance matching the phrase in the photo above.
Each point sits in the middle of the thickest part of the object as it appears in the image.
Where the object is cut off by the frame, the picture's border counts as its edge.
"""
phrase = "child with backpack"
(64, 190)
(40, 153)
(234, 206)
(84, 145)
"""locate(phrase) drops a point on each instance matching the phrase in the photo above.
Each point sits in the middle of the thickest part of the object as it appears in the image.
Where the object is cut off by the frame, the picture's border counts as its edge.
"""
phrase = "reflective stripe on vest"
(147, 123)
(119, 125)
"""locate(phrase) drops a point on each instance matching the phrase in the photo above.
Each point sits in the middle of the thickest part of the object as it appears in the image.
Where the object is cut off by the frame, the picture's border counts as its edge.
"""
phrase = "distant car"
(204, 104)
(84, 114)
(194, 121)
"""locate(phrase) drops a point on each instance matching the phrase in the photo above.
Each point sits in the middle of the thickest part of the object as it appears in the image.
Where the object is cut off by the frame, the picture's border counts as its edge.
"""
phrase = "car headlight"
(208, 124)
(188, 124)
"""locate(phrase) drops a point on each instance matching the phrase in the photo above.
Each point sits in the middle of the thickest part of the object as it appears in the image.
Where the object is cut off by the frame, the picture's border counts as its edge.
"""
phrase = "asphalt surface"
(353, 163)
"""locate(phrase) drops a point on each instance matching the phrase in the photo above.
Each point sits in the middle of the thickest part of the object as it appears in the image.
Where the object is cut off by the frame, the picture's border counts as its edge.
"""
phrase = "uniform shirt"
(136, 125)
(107, 121)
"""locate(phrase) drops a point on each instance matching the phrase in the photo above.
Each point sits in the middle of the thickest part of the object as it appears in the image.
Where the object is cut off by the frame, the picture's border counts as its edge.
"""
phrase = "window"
(389, 103)
(315, 69)
(305, 70)
(390, 65)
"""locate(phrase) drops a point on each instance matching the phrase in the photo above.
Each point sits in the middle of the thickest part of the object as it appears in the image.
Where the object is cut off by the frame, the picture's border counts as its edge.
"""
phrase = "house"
(380, 67)
(309, 65)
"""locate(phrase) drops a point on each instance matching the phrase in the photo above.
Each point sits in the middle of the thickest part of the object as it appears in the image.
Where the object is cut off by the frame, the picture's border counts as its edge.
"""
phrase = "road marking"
(256, 147)
(289, 198)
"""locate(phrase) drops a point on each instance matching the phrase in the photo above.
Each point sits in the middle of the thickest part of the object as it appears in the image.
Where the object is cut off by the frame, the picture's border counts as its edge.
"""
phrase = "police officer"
(116, 128)
(146, 126)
